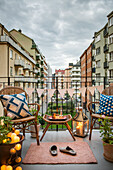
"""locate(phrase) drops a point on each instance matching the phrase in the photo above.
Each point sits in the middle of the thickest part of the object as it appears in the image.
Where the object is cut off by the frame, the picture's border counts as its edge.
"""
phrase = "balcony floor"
(60, 136)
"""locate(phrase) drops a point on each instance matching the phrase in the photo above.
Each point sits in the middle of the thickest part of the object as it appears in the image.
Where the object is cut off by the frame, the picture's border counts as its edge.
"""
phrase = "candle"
(3, 167)
(16, 139)
(12, 136)
(9, 167)
(9, 134)
(17, 147)
(18, 168)
(4, 141)
(18, 159)
(17, 132)
(12, 151)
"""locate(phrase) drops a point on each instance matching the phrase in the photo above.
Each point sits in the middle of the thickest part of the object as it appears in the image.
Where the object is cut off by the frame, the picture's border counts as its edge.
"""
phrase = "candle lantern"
(80, 123)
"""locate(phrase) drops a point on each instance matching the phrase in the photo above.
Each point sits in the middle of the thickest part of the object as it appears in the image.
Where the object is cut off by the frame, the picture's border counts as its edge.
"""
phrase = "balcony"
(106, 65)
(27, 67)
(105, 33)
(38, 65)
(15, 45)
(93, 70)
(35, 71)
(42, 69)
(19, 78)
(19, 63)
(38, 57)
(93, 58)
(42, 62)
(42, 76)
(34, 46)
(106, 48)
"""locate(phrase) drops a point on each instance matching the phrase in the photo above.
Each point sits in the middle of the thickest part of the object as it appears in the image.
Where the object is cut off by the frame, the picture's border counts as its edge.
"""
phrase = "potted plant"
(107, 137)
(32, 127)
(10, 143)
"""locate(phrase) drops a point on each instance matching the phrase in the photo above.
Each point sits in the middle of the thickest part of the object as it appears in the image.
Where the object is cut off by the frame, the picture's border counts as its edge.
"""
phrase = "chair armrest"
(89, 105)
(5, 111)
(36, 114)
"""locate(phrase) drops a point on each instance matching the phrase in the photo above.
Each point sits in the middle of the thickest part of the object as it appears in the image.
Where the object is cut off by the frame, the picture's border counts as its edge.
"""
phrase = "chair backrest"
(108, 91)
(12, 90)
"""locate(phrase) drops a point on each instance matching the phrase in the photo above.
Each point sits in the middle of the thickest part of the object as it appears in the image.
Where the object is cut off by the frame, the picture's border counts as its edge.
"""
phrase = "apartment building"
(15, 61)
(32, 48)
(60, 77)
(76, 78)
(67, 78)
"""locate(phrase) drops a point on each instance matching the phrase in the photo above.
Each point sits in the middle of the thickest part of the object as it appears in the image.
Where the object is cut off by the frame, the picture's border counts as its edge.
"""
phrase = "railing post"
(104, 82)
(57, 99)
(8, 81)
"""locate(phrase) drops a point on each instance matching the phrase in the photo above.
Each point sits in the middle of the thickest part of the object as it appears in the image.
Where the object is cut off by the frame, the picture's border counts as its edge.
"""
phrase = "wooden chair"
(22, 123)
(94, 116)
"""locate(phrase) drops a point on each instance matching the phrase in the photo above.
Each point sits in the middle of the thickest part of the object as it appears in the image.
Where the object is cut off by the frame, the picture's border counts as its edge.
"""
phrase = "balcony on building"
(34, 46)
(42, 69)
(93, 58)
(38, 65)
(106, 48)
(42, 76)
(38, 57)
(19, 78)
(93, 70)
(93, 46)
(19, 63)
(35, 70)
(106, 65)
(105, 33)
(42, 62)
(27, 67)
(38, 74)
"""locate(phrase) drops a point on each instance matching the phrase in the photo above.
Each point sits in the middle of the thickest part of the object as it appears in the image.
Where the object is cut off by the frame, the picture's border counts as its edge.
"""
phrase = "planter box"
(108, 151)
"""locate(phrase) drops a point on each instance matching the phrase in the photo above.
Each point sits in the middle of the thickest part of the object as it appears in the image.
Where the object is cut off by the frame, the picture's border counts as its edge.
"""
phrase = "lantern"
(80, 124)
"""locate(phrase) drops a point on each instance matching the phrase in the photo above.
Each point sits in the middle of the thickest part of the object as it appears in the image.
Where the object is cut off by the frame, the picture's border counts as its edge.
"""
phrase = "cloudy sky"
(62, 29)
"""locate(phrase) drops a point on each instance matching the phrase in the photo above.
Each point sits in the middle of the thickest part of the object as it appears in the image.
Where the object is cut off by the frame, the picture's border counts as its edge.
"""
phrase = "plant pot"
(5, 151)
(33, 132)
(108, 151)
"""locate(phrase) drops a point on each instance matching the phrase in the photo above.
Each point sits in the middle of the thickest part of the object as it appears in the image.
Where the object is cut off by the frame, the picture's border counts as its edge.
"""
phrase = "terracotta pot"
(5, 151)
(108, 151)
(33, 133)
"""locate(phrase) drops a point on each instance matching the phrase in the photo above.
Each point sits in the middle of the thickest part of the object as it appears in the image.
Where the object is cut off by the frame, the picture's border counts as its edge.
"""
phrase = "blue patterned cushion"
(16, 105)
(106, 105)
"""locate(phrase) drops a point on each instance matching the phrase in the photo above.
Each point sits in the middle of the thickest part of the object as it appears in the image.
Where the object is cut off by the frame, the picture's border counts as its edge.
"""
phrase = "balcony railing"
(27, 67)
(68, 101)
(19, 63)
(106, 48)
(106, 65)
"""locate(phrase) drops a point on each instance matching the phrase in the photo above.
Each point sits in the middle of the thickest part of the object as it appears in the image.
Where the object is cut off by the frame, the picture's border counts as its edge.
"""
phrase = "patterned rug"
(39, 154)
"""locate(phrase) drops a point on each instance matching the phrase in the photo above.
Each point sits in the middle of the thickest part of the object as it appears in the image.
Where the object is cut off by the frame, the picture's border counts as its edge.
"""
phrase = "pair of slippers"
(68, 150)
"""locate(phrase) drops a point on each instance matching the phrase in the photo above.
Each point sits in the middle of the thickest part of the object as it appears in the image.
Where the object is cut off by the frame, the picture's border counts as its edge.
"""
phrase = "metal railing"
(52, 101)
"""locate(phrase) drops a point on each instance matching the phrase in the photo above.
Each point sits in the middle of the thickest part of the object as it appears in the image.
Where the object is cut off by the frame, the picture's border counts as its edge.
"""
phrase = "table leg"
(46, 128)
(69, 129)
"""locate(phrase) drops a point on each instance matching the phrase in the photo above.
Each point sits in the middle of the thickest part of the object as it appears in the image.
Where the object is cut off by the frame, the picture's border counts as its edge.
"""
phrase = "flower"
(105, 129)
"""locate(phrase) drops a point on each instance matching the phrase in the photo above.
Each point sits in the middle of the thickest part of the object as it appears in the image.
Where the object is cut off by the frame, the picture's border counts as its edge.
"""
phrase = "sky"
(62, 29)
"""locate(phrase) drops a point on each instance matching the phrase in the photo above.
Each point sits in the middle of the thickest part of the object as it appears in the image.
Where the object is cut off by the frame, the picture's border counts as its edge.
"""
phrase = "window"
(111, 73)
(98, 51)
(11, 71)
(11, 54)
(111, 56)
(98, 76)
(111, 21)
(98, 64)
(97, 38)
(19, 57)
(111, 39)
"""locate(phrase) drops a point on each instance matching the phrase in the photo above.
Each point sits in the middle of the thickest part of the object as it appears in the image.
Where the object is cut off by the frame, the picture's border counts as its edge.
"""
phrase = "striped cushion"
(106, 105)
(16, 105)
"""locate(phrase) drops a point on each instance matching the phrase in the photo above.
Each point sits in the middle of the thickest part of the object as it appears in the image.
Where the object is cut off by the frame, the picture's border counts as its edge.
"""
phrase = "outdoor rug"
(40, 154)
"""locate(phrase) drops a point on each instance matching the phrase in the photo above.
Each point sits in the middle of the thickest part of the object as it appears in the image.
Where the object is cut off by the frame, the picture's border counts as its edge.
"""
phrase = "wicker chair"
(94, 116)
(22, 123)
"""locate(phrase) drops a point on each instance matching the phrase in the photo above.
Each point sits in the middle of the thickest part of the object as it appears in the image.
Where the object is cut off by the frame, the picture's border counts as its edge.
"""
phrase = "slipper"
(68, 150)
(53, 150)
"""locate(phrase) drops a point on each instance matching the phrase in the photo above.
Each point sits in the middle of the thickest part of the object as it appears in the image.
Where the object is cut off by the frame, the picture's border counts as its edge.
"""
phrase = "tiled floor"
(64, 136)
